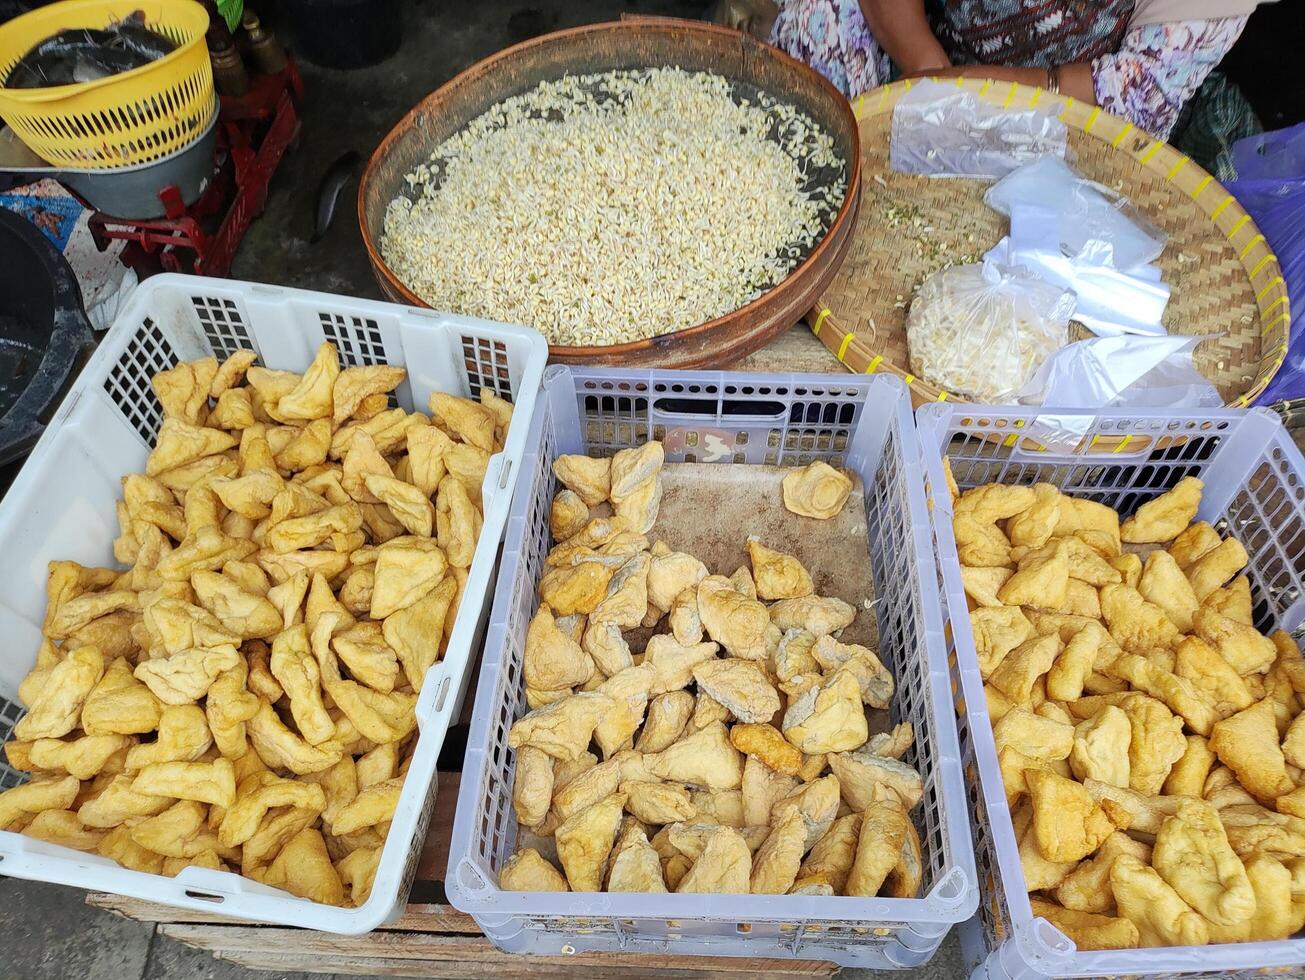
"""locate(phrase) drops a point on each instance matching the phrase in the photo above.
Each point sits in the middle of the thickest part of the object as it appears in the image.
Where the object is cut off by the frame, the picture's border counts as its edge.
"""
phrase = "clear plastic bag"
(983, 330)
(1138, 372)
(940, 130)
(1096, 226)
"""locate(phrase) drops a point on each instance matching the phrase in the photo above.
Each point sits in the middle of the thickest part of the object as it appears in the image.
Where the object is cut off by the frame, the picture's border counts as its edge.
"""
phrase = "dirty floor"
(49, 932)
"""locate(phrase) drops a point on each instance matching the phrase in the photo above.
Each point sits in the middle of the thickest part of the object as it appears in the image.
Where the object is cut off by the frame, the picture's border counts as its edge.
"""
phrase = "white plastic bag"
(940, 130)
(1110, 301)
(983, 330)
(1095, 226)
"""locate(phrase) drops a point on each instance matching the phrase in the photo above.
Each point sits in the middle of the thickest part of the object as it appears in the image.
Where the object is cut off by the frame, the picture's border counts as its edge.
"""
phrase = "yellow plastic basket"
(122, 120)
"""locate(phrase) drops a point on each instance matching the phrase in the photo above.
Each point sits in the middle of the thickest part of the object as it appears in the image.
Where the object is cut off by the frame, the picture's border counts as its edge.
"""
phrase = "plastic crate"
(863, 424)
(1254, 490)
(62, 506)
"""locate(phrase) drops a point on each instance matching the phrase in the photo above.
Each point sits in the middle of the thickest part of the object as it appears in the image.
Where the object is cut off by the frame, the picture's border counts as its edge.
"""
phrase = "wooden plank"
(305, 946)
(417, 918)
(797, 350)
(434, 860)
(519, 968)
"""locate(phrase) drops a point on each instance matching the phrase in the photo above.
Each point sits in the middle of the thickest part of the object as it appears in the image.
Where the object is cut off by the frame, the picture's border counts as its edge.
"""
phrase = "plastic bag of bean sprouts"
(983, 330)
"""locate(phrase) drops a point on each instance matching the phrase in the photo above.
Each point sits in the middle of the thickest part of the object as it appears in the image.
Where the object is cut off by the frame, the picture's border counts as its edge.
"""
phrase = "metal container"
(638, 42)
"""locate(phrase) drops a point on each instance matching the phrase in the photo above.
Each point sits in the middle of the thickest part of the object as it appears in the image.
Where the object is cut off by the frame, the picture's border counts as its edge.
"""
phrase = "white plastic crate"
(1254, 490)
(61, 505)
(861, 423)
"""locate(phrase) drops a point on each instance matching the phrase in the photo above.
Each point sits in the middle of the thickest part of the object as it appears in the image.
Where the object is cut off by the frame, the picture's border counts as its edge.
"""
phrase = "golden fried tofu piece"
(1039, 582)
(818, 803)
(1161, 520)
(1163, 584)
(658, 803)
(765, 743)
(1042, 738)
(626, 600)
(406, 569)
(818, 615)
(1161, 916)
(1247, 743)
(63, 827)
(231, 372)
(980, 544)
(1234, 600)
(1216, 566)
(1245, 649)
(180, 442)
(817, 490)
(36, 796)
(1088, 930)
(723, 866)
(1075, 663)
(675, 663)
(304, 868)
(667, 716)
(1068, 824)
(528, 871)
(883, 827)
(589, 478)
(635, 865)
(562, 729)
(1096, 524)
(354, 384)
(552, 660)
(1085, 564)
(1101, 747)
(1200, 664)
(708, 711)
(778, 575)
(739, 685)
(1275, 913)
(1192, 854)
(206, 549)
(704, 758)
(585, 840)
(55, 709)
(982, 584)
(833, 854)
(775, 866)
(865, 776)
(739, 624)
(995, 501)
(1187, 777)
(373, 805)
(685, 621)
(1024, 665)
(1193, 543)
(408, 505)
(263, 792)
(1136, 625)
(246, 614)
(576, 589)
(278, 746)
(1087, 887)
(671, 574)
(629, 693)
(639, 508)
(1157, 742)
(828, 718)
(762, 788)
(1014, 764)
(415, 632)
(569, 514)
(1178, 694)
(1034, 525)
(119, 704)
(996, 633)
(206, 782)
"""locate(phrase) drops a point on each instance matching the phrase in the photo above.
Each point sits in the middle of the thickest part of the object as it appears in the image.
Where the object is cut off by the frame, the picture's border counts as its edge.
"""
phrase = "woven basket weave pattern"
(1224, 279)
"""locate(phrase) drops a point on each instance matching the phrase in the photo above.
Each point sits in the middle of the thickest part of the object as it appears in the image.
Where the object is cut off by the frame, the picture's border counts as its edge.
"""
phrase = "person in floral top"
(1140, 59)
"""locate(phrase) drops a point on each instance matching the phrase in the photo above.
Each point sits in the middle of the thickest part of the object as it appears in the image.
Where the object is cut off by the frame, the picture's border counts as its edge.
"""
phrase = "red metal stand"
(255, 129)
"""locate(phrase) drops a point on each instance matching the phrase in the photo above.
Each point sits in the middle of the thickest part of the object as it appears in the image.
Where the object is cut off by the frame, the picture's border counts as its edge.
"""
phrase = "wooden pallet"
(429, 940)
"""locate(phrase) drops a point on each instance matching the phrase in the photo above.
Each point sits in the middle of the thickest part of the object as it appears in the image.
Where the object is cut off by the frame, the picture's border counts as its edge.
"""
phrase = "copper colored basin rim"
(698, 37)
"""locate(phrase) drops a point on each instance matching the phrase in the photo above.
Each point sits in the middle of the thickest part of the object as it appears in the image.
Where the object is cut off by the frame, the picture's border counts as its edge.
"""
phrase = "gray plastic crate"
(861, 423)
(1254, 490)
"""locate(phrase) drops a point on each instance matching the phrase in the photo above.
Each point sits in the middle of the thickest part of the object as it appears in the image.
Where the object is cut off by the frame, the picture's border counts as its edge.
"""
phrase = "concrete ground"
(49, 932)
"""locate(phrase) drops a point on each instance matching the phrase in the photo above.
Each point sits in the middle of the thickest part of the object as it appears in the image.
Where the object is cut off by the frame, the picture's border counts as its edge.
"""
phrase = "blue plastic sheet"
(1271, 187)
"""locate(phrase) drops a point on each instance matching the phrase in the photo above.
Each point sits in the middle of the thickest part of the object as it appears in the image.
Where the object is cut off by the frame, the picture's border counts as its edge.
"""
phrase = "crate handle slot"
(470, 878)
(205, 896)
(952, 891)
(733, 408)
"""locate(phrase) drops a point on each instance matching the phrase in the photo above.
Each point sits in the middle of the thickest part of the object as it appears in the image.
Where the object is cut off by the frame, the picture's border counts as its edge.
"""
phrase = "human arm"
(902, 30)
(1075, 79)
(1159, 67)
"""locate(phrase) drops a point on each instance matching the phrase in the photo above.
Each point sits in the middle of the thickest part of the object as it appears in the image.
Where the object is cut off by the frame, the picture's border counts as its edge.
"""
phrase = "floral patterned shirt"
(1157, 68)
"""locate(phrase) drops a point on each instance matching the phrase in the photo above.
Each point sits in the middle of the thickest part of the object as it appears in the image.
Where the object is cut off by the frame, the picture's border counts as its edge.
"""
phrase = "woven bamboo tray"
(1225, 279)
